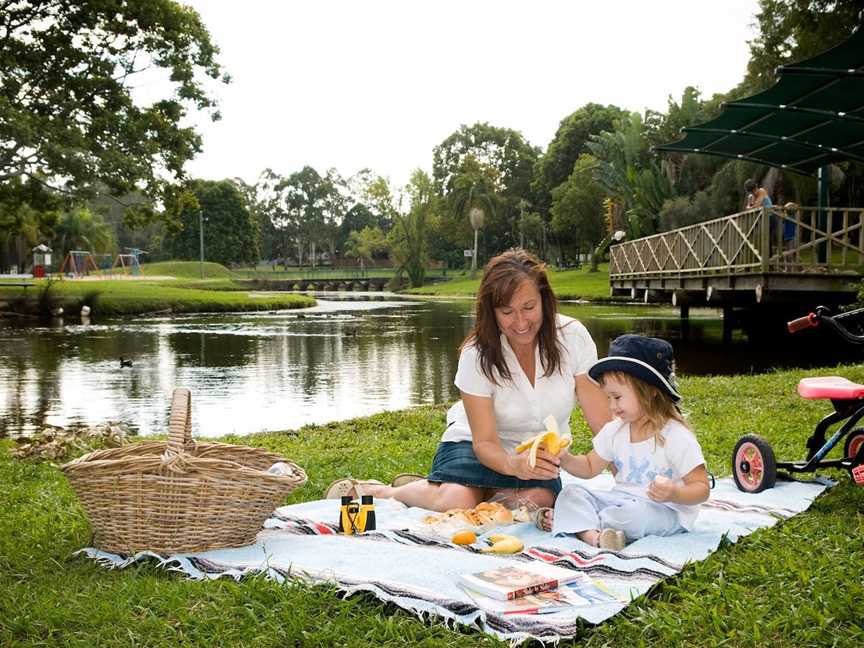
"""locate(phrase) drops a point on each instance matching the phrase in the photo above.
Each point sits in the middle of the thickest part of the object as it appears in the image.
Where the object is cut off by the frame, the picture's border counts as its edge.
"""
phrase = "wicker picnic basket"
(179, 496)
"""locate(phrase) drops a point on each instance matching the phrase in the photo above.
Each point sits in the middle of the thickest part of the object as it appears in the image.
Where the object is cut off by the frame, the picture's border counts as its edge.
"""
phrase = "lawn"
(567, 284)
(186, 293)
(798, 584)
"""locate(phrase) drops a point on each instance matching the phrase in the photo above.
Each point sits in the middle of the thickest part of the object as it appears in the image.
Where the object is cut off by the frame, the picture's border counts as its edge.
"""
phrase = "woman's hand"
(547, 466)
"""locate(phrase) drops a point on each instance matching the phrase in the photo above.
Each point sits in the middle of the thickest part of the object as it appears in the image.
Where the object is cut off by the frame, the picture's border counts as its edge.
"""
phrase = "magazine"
(582, 592)
(539, 603)
(510, 582)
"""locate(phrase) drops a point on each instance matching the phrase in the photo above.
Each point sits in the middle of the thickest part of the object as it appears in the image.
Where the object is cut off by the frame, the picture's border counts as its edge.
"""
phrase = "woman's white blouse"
(520, 408)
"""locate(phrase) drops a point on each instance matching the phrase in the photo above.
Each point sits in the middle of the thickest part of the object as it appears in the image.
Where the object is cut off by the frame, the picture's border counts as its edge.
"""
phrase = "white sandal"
(405, 478)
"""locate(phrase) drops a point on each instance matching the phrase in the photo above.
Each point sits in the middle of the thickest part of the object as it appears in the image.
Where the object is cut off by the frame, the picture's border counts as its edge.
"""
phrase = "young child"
(660, 476)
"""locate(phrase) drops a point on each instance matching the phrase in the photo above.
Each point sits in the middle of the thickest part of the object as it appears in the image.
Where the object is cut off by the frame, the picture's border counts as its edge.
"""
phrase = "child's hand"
(662, 489)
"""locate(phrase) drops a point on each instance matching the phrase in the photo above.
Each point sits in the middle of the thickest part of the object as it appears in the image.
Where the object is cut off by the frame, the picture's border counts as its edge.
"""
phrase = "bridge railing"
(761, 240)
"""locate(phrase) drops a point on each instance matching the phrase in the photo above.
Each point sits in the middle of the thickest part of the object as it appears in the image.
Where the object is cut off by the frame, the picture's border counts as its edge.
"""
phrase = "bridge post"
(764, 238)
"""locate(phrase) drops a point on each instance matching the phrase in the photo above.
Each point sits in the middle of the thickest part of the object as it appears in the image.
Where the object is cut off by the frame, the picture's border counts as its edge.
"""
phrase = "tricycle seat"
(829, 388)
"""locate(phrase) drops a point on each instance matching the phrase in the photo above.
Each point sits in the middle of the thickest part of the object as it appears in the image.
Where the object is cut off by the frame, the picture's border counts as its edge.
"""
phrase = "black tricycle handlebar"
(839, 324)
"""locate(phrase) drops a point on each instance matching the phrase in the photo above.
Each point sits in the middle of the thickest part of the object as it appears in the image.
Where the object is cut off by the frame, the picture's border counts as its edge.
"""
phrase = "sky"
(353, 84)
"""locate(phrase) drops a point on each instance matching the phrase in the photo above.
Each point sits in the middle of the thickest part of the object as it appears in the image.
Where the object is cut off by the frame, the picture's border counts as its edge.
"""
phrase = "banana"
(549, 440)
(503, 544)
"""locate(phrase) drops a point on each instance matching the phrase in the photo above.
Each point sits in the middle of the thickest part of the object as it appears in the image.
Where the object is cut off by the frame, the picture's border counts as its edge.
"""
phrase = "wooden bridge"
(743, 262)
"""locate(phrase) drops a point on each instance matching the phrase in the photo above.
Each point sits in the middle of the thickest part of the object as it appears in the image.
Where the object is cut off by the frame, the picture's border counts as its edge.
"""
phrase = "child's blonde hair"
(656, 404)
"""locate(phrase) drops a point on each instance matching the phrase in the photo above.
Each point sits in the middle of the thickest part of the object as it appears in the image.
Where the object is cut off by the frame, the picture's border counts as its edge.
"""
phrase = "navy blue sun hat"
(649, 359)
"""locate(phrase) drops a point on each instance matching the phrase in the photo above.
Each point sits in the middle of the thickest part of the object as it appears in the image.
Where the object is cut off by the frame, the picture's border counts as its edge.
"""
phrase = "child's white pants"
(579, 509)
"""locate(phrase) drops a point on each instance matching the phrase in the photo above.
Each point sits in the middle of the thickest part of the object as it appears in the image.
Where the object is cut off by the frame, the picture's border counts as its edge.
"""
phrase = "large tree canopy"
(486, 160)
(556, 165)
(70, 115)
(792, 30)
(230, 230)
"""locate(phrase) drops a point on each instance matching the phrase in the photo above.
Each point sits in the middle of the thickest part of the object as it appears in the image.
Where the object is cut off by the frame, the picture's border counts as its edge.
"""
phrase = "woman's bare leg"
(429, 495)
(533, 498)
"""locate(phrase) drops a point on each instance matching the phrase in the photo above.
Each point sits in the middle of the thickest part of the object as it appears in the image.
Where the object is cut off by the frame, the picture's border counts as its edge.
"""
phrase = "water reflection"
(281, 370)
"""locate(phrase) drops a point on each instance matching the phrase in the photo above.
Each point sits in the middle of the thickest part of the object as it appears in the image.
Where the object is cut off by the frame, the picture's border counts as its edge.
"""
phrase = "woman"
(520, 362)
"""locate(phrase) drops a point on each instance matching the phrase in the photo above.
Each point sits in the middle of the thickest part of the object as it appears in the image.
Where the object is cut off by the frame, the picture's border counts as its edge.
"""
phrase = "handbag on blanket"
(179, 496)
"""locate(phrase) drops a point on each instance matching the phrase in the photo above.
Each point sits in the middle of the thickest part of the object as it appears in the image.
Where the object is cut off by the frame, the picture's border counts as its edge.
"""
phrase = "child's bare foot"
(589, 537)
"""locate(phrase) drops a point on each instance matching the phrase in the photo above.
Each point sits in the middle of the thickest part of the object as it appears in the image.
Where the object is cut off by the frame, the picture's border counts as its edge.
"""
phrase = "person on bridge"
(521, 361)
(757, 196)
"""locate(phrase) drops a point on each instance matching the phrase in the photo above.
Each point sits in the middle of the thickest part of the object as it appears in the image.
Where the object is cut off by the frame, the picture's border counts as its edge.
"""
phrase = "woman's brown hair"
(501, 278)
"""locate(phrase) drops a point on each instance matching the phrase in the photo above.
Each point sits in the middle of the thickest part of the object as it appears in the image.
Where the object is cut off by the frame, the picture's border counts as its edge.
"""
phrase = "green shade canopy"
(813, 115)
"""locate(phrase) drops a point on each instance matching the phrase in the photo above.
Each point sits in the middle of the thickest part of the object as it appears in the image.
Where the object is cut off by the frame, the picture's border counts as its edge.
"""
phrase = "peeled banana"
(503, 544)
(549, 440)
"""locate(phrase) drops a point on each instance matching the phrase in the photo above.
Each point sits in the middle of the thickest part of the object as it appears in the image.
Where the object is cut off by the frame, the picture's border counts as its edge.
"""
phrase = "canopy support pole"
(823, 179)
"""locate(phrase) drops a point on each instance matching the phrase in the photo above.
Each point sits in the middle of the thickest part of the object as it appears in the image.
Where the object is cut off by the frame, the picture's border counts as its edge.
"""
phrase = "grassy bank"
(567, 284)
(798, 584)
(183, 294)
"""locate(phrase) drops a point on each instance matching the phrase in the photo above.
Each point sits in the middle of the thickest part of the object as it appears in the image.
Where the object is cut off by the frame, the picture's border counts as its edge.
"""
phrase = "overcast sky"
(361, 83)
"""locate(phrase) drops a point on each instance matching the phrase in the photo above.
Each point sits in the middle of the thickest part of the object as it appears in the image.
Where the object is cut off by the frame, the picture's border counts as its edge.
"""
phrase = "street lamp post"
(201, 240)
(476, 216)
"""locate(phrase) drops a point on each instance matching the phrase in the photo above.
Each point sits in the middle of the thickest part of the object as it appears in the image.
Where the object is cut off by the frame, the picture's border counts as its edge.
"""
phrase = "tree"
(230, 231)
(630, 175)
(69, 117)
(473, 201)
(27, 217)
(556, 165)
(365, 244)
(409, 238)
(577, 207)
(500, 154)
(81, 229)
(793, 30)
(307, 208)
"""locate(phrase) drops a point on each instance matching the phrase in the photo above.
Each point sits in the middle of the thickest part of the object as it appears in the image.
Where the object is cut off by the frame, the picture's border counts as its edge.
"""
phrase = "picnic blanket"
(402, 562)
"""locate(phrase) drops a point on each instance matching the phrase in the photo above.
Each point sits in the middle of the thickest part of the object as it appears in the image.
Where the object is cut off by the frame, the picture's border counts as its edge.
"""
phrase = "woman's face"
(521, 319)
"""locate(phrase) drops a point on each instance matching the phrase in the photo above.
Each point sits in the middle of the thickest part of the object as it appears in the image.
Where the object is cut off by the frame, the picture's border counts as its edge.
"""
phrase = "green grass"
(567, 284)
(112, 297)
(798, 584)
(185, 270)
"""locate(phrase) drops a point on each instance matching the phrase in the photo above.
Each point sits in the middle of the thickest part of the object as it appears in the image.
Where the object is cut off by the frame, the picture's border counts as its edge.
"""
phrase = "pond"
(352, 355)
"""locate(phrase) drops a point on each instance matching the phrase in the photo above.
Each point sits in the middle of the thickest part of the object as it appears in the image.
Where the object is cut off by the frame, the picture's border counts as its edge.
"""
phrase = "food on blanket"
(482, 514)
(464, 538)
(550, 441)
(503, 544)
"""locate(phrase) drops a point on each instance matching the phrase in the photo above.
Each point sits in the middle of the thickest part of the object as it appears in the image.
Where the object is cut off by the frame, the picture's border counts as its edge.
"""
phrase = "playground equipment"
(128, 262)
(754, 467)
(78, 263)
(41, 259)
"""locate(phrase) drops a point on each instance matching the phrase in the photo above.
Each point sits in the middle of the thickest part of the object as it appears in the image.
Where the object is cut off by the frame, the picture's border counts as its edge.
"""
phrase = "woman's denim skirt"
(456, 463)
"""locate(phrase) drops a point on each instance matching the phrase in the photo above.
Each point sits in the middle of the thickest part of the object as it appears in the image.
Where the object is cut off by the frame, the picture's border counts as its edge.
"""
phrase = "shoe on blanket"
(347, 486)
(611, 539)
(406, 478)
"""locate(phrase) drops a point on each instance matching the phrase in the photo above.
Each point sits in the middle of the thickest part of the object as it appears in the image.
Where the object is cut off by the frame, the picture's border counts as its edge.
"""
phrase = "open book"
(582, 592)
(510, 582)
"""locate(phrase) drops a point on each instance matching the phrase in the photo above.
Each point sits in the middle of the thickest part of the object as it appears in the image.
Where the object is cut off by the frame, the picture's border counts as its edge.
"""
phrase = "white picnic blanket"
(403, 563)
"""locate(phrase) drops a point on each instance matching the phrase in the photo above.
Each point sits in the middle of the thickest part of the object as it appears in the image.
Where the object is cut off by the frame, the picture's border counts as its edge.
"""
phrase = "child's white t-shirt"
(639, 463)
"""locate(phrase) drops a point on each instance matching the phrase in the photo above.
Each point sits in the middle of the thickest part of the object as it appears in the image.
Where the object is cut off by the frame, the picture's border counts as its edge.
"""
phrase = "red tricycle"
(753, 464)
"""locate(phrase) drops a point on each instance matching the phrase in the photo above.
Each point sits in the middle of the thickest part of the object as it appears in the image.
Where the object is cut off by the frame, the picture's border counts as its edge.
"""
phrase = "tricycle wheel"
(753, 464)
(853, 443)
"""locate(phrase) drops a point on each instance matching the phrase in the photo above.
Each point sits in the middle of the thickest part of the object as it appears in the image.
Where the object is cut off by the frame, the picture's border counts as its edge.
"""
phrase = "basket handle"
(180, 423)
